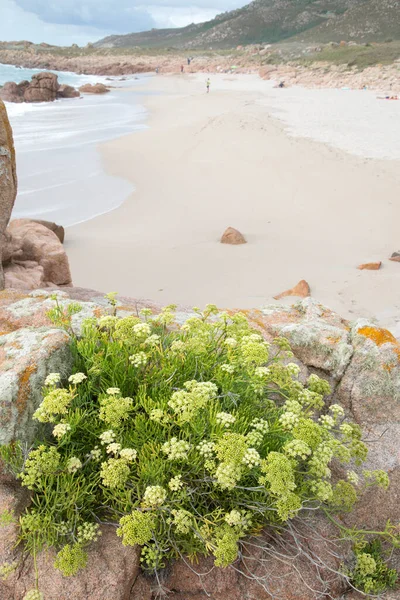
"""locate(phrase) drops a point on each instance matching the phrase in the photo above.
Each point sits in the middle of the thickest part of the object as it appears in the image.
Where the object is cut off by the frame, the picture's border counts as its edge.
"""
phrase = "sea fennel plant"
(189, 438)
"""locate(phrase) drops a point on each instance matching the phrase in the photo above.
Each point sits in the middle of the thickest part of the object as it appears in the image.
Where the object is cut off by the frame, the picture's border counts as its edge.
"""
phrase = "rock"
(57, 229)
(302, 289)
(39, 245)
(232, 236)
(12, 92)
(371, 384)
(67, 91)
(98, 88)
(372, 266)
(110, 573)
(8, 180)
(43, 88)
(318, 336)
(27, 356)
(395, 256)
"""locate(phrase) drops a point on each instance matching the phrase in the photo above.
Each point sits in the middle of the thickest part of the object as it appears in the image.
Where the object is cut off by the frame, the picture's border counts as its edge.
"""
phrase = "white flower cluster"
(157, 415)
(225, 419)
(152, 341)
(261, 372)
(154, 496)
(296, 448)
(327, 421)
(33, 595)
(138, 360)
(52, 379)
(227, 368)
(289, 420)
(88, 532)
(197, 394)
(60, 430)
(337, 411)
(260, 425)
(175, 484)
(251, 458)
(228, 475)
(107, 322)
(352, 477)
(206, 449)
(233, 518)
(113, 448)
(141, 330)
(231, 342)
(177, 346)
(128, 454)
(113, 391)
(323, 490)
(95, 454)
(176, 449)
(77, 378)
(107, 437)
(319, 461)
(293, 369)
(73, 464)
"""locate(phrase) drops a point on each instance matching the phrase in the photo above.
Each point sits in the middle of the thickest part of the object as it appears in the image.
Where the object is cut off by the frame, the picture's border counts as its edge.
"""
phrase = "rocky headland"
(265, 60)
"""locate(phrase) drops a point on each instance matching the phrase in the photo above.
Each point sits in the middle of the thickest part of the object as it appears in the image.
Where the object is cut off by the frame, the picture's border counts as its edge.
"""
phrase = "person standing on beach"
(208, 83)
(182, 68)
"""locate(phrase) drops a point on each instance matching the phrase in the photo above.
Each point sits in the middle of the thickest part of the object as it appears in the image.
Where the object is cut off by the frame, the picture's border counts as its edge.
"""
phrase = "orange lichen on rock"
(24, 388)
(380, 336)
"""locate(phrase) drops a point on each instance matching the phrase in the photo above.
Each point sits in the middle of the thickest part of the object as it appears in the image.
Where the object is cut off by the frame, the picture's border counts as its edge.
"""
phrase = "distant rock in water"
(98, 88)
(232, 236)
(43, 87)
(8, 180)
(302, 289)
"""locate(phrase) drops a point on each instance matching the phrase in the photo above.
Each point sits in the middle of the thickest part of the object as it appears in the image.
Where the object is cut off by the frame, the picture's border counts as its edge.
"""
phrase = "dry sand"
(207, 162)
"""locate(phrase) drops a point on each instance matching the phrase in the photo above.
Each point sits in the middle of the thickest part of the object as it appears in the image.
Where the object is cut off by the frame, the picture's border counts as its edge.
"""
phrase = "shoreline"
(308, 211)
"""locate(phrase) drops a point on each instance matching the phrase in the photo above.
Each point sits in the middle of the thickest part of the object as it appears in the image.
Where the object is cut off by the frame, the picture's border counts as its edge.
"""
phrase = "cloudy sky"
(80, 21)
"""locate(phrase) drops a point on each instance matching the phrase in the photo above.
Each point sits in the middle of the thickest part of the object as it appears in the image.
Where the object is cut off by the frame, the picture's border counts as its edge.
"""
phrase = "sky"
(64, 22)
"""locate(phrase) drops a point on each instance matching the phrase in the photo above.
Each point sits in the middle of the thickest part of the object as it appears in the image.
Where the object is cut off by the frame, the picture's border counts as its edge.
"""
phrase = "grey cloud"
(119, 16)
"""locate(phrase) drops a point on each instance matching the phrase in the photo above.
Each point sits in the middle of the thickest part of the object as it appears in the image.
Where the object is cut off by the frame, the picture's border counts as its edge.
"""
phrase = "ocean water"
(60, 173)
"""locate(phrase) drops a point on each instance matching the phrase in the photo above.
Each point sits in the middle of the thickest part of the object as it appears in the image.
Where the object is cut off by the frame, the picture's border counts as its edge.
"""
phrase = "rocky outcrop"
(362, 363)
(97, 88)
(34, 257)
(43, 87)
(8, 180)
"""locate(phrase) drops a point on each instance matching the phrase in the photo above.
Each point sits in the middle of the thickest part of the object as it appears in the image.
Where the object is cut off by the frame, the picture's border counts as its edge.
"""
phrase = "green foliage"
(188, 437)
(371, 573)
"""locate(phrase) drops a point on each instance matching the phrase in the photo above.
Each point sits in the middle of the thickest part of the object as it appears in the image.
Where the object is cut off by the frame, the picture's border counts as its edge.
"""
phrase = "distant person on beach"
(208, 83)
(189, 60)
(157, 70)
(282, 84)
(182, 68)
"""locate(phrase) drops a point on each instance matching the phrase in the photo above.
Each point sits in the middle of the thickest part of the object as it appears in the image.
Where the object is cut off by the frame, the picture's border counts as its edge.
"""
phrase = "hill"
(271, 21)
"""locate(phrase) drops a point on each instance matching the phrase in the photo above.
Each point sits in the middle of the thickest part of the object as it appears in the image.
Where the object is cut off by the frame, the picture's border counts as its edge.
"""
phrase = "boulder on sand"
(98, 88)
(8, 180)
(41, 260)
(395, 256)
(302, 289)
(372, 266)
(232, 236)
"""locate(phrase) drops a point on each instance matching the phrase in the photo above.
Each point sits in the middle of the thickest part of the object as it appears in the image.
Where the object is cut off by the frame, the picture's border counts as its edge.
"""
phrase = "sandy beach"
(206, 162)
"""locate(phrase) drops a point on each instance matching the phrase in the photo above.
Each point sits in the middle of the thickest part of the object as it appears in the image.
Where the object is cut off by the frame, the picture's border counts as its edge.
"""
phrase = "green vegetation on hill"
(271, 21)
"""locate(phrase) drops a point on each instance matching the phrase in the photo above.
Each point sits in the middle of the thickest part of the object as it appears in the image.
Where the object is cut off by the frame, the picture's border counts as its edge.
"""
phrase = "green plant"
(190, 438)
(371, 572)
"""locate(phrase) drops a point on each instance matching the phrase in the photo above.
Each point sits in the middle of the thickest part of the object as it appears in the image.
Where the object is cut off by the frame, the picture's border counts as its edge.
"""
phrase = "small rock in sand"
(232, 236)
(372, 266)
(395, 256)
(98, 88)
(302, 289)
